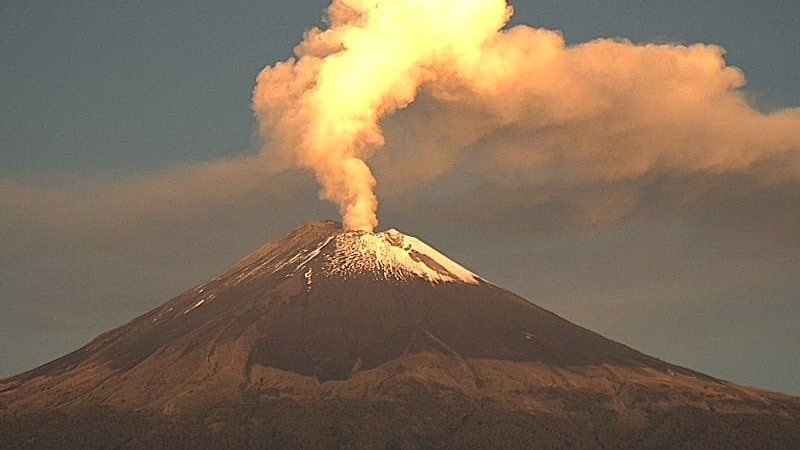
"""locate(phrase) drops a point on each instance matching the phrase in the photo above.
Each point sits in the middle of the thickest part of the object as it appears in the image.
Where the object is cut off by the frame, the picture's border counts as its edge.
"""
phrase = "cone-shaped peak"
(326, 334)
(393, 255)
(325, 248)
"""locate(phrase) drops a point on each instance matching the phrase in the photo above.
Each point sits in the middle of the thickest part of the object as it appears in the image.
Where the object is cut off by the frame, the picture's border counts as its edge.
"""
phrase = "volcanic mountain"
(333, 339)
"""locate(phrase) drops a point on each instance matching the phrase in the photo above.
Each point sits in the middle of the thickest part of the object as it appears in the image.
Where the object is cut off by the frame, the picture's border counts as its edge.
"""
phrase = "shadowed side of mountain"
(329, 339)
(128, 345)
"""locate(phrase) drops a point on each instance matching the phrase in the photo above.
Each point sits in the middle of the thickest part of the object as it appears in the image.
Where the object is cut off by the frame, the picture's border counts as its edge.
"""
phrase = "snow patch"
(529, 336)
(307, 276)
(393, 255)
(200, 302)
(272, 264)
(312, 254)
(384, 256)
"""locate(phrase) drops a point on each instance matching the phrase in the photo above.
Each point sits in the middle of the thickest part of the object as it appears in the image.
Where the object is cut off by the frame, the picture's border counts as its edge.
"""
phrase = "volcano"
(333, 339)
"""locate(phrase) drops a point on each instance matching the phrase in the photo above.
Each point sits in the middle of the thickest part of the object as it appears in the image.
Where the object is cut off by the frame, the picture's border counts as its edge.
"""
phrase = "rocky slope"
(326, 339)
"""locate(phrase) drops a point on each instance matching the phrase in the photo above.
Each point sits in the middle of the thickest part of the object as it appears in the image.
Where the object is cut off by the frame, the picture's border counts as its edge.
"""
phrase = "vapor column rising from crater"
(550, 117)
(324, 108)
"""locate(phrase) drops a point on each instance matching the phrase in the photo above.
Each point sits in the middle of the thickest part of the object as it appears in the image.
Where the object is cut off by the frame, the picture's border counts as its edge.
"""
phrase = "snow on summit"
(322, 248)
(392, 255)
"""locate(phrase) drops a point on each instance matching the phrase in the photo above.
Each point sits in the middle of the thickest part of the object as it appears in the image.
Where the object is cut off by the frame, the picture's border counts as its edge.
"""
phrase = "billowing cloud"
(326, 106)
(505, 127)
(656, 145)
(512, 117)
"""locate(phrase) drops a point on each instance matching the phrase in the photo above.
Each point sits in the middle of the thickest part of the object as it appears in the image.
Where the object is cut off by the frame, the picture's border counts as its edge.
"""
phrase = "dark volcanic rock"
(325, 339)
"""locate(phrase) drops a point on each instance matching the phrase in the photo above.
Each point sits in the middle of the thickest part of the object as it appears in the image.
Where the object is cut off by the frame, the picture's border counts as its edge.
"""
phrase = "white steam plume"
(604, 111)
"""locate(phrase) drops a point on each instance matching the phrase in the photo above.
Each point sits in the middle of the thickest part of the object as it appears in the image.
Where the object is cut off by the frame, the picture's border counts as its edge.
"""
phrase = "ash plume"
(548, 115)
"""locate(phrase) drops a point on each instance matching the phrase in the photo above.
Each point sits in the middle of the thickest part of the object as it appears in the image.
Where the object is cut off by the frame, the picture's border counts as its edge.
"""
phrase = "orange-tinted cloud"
(512, 111)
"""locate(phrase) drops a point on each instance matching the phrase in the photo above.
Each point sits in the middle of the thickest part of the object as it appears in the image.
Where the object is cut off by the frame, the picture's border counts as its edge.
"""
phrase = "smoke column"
(604, 111)
(325, 106)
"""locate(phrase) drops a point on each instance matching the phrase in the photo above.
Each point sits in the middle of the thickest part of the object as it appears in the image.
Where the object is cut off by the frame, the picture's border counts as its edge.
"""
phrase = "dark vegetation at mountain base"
(355, 424)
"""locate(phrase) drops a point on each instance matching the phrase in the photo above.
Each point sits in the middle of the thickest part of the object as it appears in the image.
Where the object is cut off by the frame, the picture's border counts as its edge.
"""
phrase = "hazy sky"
(113, 198)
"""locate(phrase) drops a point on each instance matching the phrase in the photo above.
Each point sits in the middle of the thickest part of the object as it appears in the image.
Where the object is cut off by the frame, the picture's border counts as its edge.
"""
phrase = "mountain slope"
(331, 339)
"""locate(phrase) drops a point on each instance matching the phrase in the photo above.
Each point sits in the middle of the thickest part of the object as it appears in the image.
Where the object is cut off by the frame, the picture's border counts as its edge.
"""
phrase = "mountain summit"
(333, 339)
(388, 256)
